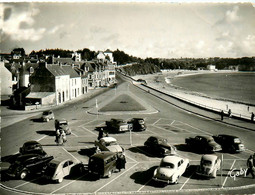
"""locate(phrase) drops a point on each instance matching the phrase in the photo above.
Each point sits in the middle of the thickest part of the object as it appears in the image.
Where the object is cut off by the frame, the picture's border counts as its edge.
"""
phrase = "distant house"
(106, 56)
(211, 67)
(25, 71)
(6, 80)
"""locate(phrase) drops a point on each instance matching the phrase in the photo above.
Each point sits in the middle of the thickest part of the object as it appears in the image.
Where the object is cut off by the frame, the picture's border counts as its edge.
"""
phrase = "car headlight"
(155, 172)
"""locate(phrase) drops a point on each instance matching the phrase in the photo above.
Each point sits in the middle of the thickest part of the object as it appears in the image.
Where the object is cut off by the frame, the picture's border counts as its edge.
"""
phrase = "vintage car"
(142, 81)
(28, 164)
(108, 144)
(170, 169)
(118, 125)
(63, 124)
(203, 143)
(103, 164)
(159, 146)
(209, 165)
(57, 169)
(229, 143)
(138, 124)
(47, 116)
(32, 147)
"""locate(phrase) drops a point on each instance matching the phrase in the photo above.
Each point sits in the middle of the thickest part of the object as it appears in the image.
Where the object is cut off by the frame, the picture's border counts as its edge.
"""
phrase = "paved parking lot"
(136, 178)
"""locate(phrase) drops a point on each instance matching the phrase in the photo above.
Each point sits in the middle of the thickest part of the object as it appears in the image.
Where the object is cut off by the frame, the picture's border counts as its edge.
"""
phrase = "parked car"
(170, 169)
(142, 81)
(203, 143)
(159, 146)
(108, 144)
(209, 165)
(63, 124)
(28, 164)
(32, 147)
(57, 170)
(118, 125)
(229, 143)
(138, 124)
(47, 116)
(103, 164)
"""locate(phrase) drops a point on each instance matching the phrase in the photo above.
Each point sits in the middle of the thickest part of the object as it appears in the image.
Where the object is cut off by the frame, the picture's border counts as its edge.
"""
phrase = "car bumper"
(205, 175)
(11, 174)
(168, 181)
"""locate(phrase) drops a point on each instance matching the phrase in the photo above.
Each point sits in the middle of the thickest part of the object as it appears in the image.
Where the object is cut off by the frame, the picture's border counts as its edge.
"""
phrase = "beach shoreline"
(163, 82)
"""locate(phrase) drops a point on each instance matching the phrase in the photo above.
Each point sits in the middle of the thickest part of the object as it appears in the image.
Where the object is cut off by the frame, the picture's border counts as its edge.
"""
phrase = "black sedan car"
(28, 164)
(32, 147)
(229, 143)
(204, 143)
(159, 146)
(138, 124)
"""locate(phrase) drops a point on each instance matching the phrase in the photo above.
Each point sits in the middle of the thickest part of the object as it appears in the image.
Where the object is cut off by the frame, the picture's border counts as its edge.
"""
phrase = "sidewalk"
(9, 116)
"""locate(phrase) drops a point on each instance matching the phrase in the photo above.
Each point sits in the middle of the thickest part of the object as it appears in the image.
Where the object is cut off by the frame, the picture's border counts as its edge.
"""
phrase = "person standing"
(229, 113)
(252, 116)
(222, 115)
(100, 134)
(251, 168)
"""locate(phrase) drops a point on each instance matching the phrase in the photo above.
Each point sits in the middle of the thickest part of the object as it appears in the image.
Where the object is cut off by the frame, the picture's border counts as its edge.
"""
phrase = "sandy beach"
(162, 81)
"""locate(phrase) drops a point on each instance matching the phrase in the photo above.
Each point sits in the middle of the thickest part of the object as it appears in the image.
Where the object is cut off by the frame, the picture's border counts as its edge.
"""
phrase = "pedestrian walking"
(251, 168)
(252, 116)
(229, 113)
(222, 115)
(100, 133)
(121, 162)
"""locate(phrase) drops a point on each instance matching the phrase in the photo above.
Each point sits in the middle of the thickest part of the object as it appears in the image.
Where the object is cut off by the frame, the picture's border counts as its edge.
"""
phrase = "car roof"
(57, 162)
(229, 136)
(209, 157)
(103, 155)
(109, 139)
(31, 143)
(173, 159)
(138, 118)
(205, 136)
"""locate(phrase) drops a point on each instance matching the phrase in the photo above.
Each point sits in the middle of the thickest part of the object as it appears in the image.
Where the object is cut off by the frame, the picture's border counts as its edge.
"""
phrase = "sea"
(236, 87)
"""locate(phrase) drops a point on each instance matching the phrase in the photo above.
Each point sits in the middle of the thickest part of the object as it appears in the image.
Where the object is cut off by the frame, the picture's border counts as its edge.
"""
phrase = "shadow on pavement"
(87, 152)
(143, 150)
(185, 148)
(37, 120)
(47, 132)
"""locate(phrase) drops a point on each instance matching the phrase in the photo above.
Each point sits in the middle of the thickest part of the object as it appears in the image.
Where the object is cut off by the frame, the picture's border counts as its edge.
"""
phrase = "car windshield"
(237, 140)
(45, 113)
(141, 121)
(111, 143)
(62, 123)
(206, 162)
(167, 165)
(210, 139)
(162, 141)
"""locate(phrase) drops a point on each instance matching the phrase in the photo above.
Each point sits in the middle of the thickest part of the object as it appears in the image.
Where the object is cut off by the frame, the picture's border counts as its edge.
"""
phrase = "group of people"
(60, 137)
(251, 166)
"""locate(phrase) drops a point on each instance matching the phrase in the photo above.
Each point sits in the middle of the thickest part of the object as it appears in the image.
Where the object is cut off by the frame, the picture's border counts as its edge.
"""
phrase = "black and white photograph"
(127, 97)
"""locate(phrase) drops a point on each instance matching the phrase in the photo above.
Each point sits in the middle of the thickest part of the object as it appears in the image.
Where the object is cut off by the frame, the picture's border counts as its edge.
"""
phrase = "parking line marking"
(172, 122)
(165, 129)
(88, 122)
(115, 178)
(143, 185)
(235, 156)
(70, 154)
(74, 134)
(131, 158)
(228, 174)
(186, 181)
(196, 128)
(156, 121)
(41, 138)
(89, 130)
(25, 183)
(68, 183)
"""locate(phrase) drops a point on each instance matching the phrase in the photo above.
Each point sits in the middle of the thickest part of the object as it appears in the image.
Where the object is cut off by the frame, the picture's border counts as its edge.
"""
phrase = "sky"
(157, 30)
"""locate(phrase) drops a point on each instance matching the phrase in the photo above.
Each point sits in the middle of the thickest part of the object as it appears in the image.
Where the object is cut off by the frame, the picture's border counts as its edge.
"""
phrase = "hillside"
(144, 68)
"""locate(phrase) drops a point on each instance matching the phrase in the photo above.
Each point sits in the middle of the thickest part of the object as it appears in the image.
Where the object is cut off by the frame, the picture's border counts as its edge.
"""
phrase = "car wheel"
(23, 174)
(60, 180)
(109, 174)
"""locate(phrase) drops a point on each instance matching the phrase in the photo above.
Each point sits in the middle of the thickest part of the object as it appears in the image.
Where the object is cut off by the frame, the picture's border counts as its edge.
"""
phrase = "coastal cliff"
(140, 68)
